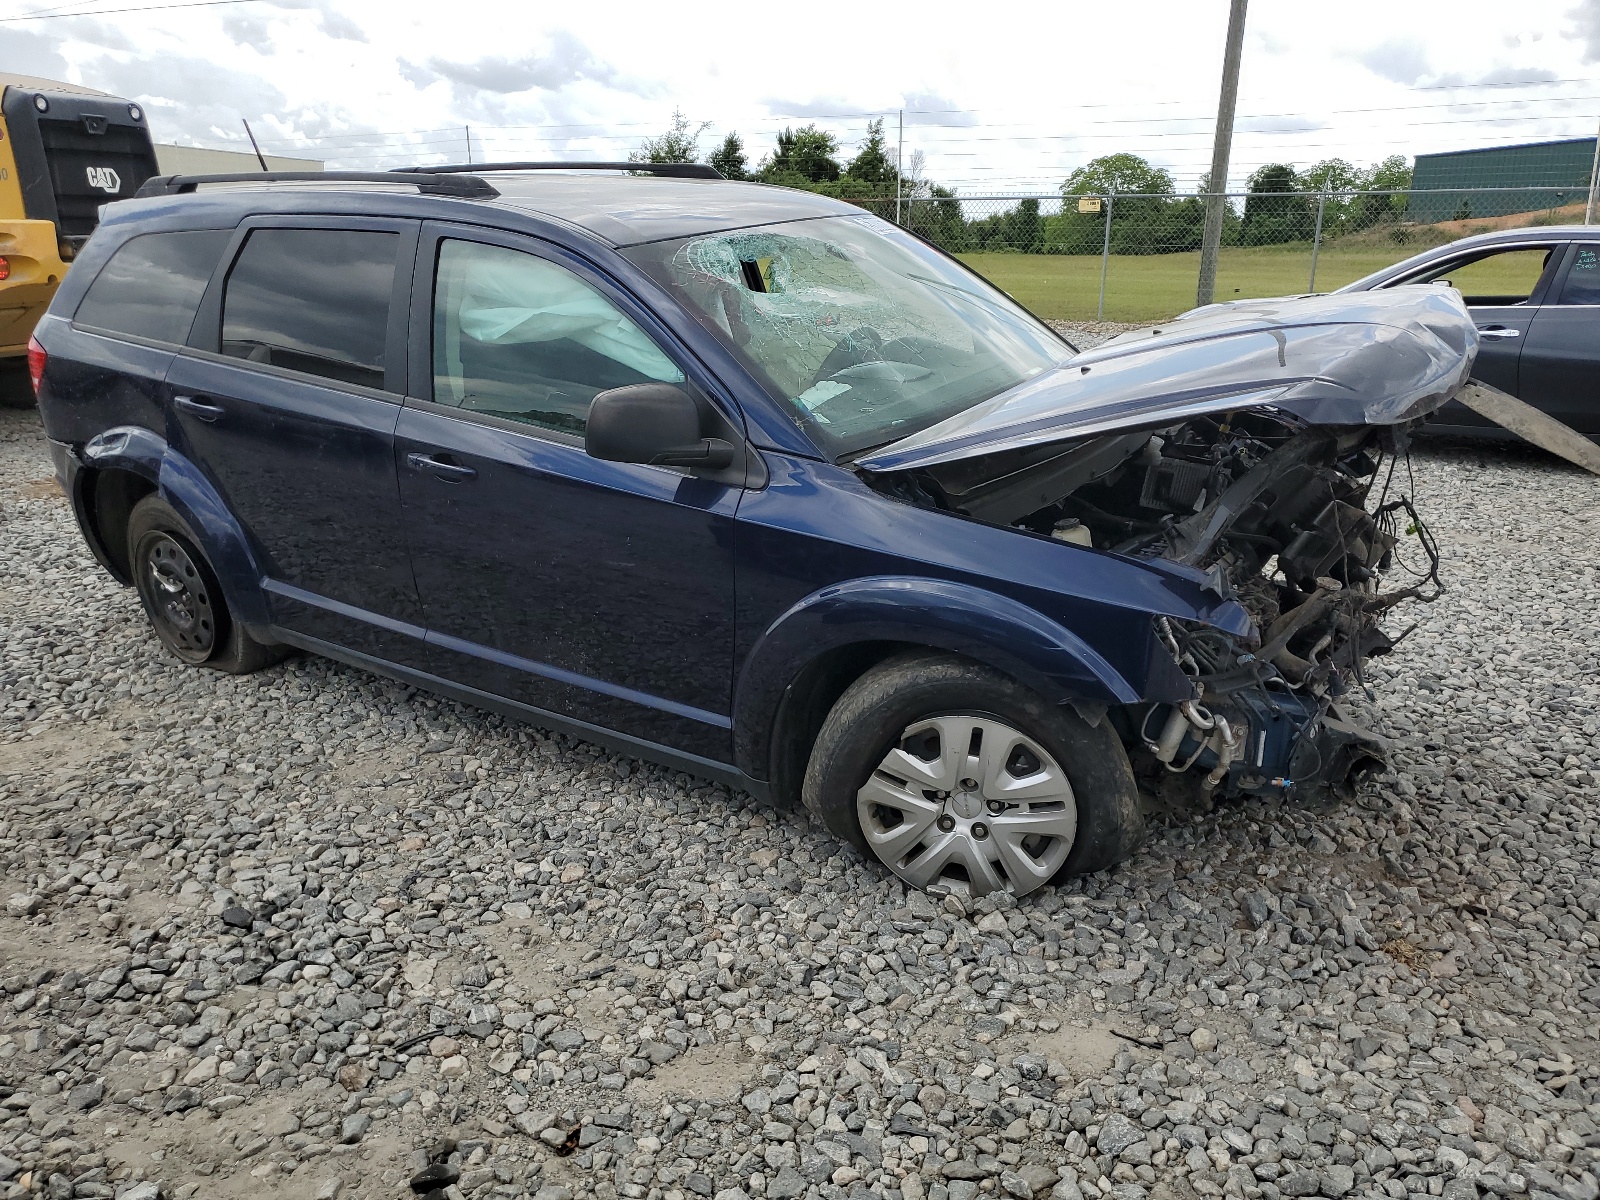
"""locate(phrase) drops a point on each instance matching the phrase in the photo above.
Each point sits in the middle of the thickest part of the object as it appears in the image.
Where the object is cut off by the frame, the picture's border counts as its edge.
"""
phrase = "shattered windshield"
(869, 334)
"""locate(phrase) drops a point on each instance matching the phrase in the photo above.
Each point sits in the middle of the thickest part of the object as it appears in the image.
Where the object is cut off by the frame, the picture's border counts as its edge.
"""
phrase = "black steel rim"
(180, 601)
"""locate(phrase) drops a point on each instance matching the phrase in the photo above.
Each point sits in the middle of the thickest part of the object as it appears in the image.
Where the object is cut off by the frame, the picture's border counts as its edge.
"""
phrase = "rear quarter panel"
(94, 383)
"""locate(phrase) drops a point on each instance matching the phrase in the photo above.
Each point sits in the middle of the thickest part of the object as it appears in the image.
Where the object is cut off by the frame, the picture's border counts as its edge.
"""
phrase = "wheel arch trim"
(912, 611)
(181, 484)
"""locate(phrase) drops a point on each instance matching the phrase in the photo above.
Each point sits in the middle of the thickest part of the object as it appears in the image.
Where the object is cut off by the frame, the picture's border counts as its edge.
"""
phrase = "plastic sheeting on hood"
(1367, 358)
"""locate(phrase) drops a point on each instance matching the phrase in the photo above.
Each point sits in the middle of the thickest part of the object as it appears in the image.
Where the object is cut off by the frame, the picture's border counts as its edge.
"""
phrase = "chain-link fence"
(1136, 258)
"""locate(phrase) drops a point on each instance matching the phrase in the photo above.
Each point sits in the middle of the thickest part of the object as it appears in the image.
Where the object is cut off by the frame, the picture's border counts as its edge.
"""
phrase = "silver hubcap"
(969, 801)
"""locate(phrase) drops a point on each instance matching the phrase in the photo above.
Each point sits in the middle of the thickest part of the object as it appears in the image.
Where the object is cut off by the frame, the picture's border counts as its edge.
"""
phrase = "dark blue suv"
(751, 483)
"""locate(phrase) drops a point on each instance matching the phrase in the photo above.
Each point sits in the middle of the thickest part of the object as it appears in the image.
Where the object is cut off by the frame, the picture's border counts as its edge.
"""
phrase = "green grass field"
(1154, 287)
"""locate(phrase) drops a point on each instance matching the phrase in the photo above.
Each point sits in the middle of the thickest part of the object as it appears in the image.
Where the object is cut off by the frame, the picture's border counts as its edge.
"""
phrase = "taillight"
(5, 268)
(36, 361)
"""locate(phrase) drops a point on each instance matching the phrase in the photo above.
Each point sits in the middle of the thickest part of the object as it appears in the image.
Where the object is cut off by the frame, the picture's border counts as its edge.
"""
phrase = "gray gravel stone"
(786, 1185)
(1117, 1134)
(1337, 1180)
(466, 926)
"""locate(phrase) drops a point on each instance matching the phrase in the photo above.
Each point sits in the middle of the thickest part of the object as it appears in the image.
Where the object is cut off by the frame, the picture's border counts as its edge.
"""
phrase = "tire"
(182, 598)
(1056, 797)
(16, 389)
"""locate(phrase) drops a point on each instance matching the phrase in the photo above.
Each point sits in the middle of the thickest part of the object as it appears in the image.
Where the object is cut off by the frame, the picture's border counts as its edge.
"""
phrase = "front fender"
(185, 487)
(1001, 632)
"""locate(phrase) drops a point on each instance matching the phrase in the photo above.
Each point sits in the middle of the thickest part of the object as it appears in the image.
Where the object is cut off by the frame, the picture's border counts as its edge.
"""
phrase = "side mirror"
(653, 423)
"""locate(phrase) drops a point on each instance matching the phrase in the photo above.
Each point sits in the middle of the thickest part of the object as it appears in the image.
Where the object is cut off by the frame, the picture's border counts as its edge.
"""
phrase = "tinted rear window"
(152, 285)
(312, 300)
(1583, 277)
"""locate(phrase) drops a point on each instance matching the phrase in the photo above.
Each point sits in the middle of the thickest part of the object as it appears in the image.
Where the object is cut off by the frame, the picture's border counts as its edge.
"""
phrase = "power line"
(946, 140)
(959, 131)
(107, 12)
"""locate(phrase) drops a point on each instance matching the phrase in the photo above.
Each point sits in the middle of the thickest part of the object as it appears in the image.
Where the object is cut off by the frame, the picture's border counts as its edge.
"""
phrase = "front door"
(287, 399)
(1502, 289)
(596, 590)
(1561, 355)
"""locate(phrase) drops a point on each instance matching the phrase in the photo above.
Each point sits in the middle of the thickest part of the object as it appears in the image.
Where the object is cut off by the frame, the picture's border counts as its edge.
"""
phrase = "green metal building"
(1447, 186)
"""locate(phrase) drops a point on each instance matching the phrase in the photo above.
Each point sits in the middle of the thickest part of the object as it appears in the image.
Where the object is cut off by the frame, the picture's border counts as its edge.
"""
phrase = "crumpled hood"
(1361, 358)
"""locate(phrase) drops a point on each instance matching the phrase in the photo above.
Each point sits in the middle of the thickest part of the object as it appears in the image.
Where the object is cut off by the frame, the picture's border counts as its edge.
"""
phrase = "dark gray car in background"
(1534, 295)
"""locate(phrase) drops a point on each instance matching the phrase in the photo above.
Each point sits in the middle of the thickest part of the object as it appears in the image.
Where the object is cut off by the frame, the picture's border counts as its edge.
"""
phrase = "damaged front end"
(1267, 470)
(1310, 539)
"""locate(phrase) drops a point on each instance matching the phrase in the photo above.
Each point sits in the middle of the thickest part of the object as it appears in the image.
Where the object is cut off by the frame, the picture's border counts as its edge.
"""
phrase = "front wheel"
(180, 595)
(952, 774)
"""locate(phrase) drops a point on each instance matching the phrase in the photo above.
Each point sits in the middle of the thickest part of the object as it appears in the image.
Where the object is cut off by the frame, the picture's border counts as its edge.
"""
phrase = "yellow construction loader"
(64, 151)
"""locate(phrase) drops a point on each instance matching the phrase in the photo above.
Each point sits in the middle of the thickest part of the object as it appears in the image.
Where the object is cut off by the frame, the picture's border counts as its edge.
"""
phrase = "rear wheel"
(953, 775)
(181, 596)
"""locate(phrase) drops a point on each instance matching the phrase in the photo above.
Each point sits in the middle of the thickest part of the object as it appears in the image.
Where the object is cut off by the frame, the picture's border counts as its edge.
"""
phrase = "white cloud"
(1397, 61)
(1586, 25)
(38, 50)
(567, 61)
(248, 29)
(933, 108)
(826, 106)
(363, 84)
(339, 25)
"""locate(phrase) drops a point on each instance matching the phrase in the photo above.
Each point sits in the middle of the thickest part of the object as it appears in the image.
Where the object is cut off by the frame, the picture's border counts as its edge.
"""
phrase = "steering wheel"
(861, 344)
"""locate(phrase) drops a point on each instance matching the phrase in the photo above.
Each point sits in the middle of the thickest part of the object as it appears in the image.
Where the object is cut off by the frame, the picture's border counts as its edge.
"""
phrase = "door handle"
(196, 407)
(448, 471)
(1499, 331)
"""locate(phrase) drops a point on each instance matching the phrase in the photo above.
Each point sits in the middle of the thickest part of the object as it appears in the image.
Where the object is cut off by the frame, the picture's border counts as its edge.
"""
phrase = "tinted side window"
(1583, 277)
(153, 284)
(518, 337)
(1500, 278)
(312, 300)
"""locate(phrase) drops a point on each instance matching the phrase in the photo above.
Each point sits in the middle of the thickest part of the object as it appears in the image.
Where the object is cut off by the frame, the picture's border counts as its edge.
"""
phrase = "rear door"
(287, 399)
(134, 317)
(1560, 370)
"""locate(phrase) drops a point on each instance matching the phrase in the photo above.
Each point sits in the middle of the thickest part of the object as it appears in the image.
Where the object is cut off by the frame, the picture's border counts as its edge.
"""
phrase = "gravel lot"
(276, 936)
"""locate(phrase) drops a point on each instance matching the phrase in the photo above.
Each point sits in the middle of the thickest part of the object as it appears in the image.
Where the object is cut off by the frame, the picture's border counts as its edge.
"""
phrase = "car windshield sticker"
(818, 394)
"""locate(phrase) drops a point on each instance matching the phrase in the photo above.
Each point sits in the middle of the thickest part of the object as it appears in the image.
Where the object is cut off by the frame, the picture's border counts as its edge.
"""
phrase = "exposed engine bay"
(1306, 526)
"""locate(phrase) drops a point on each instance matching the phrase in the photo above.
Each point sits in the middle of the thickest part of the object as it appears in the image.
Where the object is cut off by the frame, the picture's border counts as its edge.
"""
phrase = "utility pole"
(1211, 240)
(468, 128)
(1594, 183)
(899, 165)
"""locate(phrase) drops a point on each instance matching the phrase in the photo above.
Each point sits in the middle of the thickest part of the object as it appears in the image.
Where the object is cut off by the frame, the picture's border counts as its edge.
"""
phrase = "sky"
(1005, 105)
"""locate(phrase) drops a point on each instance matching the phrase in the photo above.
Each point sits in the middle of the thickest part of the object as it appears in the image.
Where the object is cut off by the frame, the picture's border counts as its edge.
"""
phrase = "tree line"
(1148, 215)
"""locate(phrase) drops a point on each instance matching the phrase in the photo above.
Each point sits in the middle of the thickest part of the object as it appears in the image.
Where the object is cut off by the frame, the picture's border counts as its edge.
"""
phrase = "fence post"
(1105, 258)
(1594, 183)
(1316, 237)
(899, 165)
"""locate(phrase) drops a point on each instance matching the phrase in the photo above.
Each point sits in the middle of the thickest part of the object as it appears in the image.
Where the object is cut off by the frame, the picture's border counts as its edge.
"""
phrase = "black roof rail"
(464, 185)
(667, 170)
